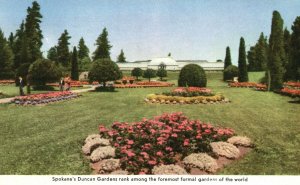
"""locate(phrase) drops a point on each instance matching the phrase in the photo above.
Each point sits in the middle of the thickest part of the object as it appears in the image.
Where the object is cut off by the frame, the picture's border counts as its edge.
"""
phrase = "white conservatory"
(170, 64)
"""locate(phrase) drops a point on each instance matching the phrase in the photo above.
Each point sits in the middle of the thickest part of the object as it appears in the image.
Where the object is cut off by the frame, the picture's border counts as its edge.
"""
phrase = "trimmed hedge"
(192, 75)
(230, 72)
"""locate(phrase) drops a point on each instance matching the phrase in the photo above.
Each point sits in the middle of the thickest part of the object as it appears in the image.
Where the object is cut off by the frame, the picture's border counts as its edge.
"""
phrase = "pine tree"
(74, 71)
(52, 54)
(103, 47)
(295, 50)
(21, 48)
(276, 55)
(121, 57)
(33, 32)
(11, 40)
(63, 49)
(243, 74)
(6, 58)
(83, 50)
(261, 53)
(227, 61)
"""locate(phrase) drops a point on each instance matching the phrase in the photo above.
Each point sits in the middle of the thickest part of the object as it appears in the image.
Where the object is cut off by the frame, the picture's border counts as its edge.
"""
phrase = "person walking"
(21, 85)
(61, 84)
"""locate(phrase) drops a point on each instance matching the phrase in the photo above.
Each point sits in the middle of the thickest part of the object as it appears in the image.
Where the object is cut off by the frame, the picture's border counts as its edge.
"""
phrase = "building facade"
(169, 63)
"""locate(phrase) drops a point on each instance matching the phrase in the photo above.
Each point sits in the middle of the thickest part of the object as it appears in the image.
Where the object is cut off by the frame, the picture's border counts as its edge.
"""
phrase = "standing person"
(61, 84)
(21, 85)
(68, 82)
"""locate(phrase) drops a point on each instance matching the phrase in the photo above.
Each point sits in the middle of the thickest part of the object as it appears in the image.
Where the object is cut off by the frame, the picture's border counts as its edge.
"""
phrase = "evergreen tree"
(287, 50)
(121, 57)
(83, 50)
(6, 58)
(74, 71)
(276, 56)
(63, 53)
(227, 61)
(243, 74)
(295, 50)
(11, 40)
(252, 61)
(103, 47)
(52, 54)
(33, 32)
(261, 57)
(21, 48)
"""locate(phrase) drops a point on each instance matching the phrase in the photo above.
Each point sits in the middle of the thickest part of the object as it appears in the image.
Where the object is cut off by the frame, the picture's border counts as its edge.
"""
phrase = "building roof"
(192, 61)
(163, 60)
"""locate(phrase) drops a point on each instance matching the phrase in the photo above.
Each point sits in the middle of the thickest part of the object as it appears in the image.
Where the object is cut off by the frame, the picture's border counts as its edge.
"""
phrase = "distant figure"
(21, 85)
(61, 84)
(68, 82)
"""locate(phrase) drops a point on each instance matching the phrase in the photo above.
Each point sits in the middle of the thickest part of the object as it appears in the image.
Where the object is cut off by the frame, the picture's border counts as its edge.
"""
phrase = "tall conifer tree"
(243, 73)
(74, 71)
(295, 50)
(276, 56)
(103, 46)
(83, 50)
(121, 58)
(63, 52)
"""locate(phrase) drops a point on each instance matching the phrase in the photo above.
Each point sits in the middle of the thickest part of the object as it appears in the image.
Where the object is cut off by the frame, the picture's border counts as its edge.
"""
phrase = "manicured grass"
(48, 139)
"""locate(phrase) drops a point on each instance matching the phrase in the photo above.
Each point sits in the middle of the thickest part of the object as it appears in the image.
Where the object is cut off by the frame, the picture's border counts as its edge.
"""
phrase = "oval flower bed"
(166, 144)
(256, 86)
(36, 99)
(186, 95)
(144, 84)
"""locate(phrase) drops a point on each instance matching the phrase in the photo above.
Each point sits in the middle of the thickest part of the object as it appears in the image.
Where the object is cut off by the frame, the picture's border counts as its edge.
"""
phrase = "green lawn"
(48, 139)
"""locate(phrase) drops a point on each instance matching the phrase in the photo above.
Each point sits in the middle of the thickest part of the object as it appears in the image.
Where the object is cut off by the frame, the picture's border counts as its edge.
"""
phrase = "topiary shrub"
(192, 75)
(230, 72)
(104, 70)
(149, 73)
(161, 73)
(43, 71)
(137, 72)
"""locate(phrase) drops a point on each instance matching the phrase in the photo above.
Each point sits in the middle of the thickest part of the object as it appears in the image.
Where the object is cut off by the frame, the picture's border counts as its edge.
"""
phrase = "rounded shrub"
(137, 72)
(43, 71)
(192, 75)
(149, 73)
(162, 73)
(104, 70)
(230, 72)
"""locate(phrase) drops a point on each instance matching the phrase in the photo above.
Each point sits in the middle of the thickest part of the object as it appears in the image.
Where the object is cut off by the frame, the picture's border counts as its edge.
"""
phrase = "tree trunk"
(269, 80)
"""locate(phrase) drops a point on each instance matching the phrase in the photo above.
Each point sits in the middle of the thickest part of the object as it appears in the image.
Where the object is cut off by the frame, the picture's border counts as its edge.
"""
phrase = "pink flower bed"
(44, 98)
(6, 82)
(142, 145)
(192, 89)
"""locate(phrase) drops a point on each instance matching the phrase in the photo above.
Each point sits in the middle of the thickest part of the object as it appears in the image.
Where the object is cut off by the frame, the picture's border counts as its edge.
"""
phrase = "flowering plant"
(6, 82)
(150, 142)
(257, 86)
(290, 92)
(189, 92)
(292, 84)
(44, 98)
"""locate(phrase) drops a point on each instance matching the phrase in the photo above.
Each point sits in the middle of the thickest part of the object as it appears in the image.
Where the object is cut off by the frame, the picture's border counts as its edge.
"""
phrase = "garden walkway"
(8, 100)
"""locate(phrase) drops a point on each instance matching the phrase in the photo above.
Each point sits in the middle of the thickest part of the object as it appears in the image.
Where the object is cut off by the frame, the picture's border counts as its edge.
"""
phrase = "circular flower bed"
(256, 86)
(36, 99)
(157, 146)
(6, 82)
(187, 95)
